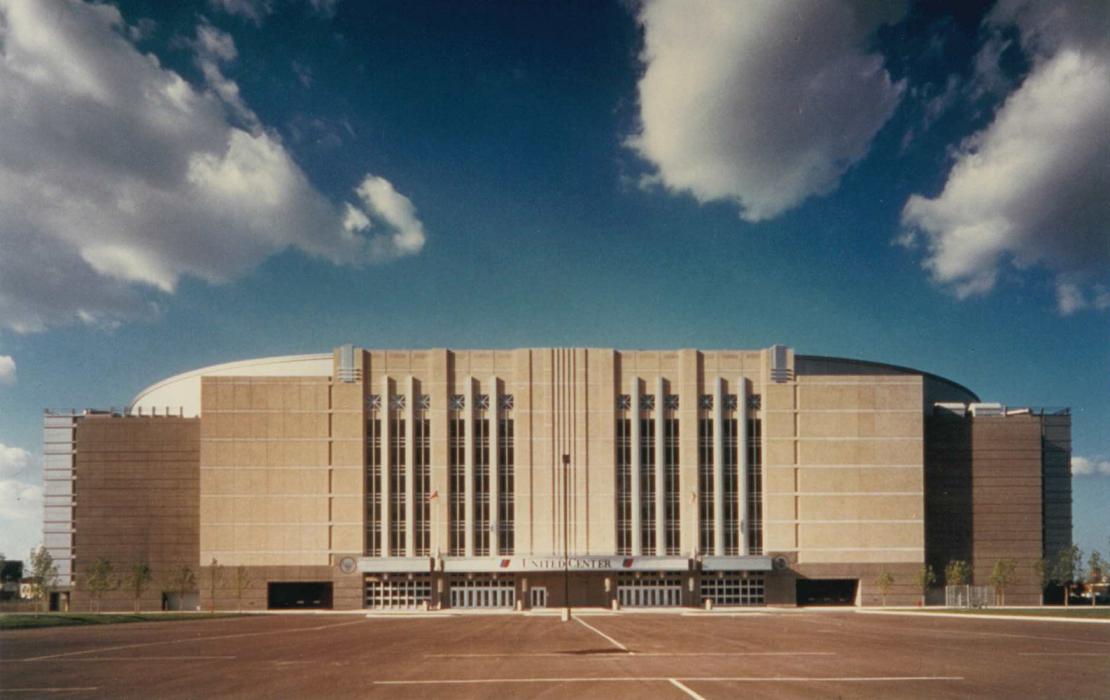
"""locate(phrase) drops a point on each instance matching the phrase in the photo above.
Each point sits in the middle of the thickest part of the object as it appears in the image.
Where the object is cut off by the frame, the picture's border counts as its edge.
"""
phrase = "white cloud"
(1082, 466)
(1031, 188)
(13, 459)
(20, 517)
(118, 177)
(252, 10)
(7, 370)
(761, 103)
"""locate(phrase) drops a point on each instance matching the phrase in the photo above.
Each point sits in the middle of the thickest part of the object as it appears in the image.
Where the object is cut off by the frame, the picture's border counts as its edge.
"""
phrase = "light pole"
(566, 538)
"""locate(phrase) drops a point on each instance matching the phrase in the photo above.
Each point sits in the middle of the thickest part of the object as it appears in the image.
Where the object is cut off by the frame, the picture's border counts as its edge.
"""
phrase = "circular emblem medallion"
(347, 565)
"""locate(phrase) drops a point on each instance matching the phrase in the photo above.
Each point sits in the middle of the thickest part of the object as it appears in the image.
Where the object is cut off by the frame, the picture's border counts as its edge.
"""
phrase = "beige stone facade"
(436, 477)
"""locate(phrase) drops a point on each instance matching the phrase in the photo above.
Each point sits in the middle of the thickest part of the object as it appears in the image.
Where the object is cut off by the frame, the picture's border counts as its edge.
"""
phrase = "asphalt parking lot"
(696, 655)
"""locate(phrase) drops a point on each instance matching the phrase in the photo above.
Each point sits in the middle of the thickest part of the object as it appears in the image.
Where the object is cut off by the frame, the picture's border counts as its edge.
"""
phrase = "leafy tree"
(44, 575)
(1042, 575)
(137, 579)
(242, 583)
(1096, 573)
(215, 576)
(181, 580)
(925, 578)
(1004, 574)
(957, 573)
(1068, 569)
(99, 578)
(884, 583)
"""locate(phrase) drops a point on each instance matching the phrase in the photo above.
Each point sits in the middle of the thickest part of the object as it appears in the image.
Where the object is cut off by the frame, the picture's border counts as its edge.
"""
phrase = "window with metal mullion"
(647, 486)
(705, 485)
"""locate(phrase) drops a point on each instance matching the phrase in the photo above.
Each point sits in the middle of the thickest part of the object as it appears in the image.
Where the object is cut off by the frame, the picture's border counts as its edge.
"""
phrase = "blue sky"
(924, 185)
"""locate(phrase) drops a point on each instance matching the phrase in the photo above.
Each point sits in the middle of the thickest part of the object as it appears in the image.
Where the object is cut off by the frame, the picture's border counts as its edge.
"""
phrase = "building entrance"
(483, 593)
(539, 597)
(649, 592)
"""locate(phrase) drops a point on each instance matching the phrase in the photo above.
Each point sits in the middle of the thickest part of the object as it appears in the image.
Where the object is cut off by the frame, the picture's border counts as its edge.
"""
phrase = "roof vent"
(949, 409)
(987, 409)
(780, 368)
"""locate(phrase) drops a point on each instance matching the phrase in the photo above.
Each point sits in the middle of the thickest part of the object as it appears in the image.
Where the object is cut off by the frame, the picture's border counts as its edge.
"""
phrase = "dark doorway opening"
(299, 594)
(827, 591)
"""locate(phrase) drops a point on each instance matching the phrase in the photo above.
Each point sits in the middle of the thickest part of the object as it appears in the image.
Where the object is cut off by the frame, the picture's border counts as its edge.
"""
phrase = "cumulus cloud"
(13, 459)
(1031, 188)
(118, 177)
(7, 373)
(1082, 466)
(761, 103)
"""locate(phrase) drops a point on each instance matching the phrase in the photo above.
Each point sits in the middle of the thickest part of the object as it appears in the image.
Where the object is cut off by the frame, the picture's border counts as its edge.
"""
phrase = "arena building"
(539, 477)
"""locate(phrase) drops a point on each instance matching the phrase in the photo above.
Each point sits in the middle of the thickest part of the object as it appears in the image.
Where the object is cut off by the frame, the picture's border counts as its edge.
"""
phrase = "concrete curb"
(972, 616)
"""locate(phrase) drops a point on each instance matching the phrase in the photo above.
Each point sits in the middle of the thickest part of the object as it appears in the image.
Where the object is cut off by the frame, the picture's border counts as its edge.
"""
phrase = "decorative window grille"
(456, 467)
(755, 402)
(424, 402)
(458, 402)
(705, 485)
(481, 486)
(705, 402)
(755, 486)
(647, 402)
(670, 402)
(374, 402)
(730, 402)
(671, 494)
(422, 481)
(397, 491)
(624, 486)
(397, 402)
(731, 483)
(505, 486)
(624, 402)
(373, 487)
(506, 402)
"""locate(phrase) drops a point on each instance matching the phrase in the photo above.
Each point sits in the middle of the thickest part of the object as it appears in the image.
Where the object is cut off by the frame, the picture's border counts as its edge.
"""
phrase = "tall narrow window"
(647, 485)
(624, 486)
(456, 466)
(505, 487)
(481, 487)
(731, 480)
(422, 481)
(705, 485)
(755, 486)
(373, 487)
(397, 484)
(671, 495)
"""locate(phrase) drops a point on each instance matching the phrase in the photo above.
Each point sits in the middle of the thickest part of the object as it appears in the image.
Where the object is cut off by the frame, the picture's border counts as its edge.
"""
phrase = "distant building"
(10, 572)
(476, 478)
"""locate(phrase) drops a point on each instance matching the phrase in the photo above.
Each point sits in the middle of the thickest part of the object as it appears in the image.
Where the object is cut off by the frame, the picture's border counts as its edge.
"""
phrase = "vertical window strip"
(456, 458)
(731, 488)
(705, 485)
(505, 487)
(422, 484)
(481, 487)
(624, 486)
(670, 466)
(397, 485)
(373, 488)
(647, 485)
(755, 486)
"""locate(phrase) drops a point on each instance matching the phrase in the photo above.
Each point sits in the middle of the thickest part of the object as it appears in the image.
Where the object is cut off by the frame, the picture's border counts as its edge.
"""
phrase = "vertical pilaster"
(660, 467)
(634, 412)
(494, 467)
(742, 394)
(471, 446)
(438, 389)
(386, 509)
(719, 467)
(410, 468)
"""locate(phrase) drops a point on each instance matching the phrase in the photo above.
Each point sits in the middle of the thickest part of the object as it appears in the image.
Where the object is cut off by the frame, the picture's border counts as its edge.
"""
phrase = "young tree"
(98, 579)
(957, 573)
(924, 579)
(1042, 575)
(1004, 573)
(1096, 573)
(215, 576)
(181, 580)
(1068, 569)
(884, 583)
(242, 583)
(136, 581)
(44, 575)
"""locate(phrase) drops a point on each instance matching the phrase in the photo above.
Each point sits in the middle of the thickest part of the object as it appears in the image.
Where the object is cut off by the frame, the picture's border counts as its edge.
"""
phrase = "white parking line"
(49, 690)
(668, 679)
(154, 658)
(684, 689)
(591, 627)
(1063, 653)
(192, 639)
(511, 654)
